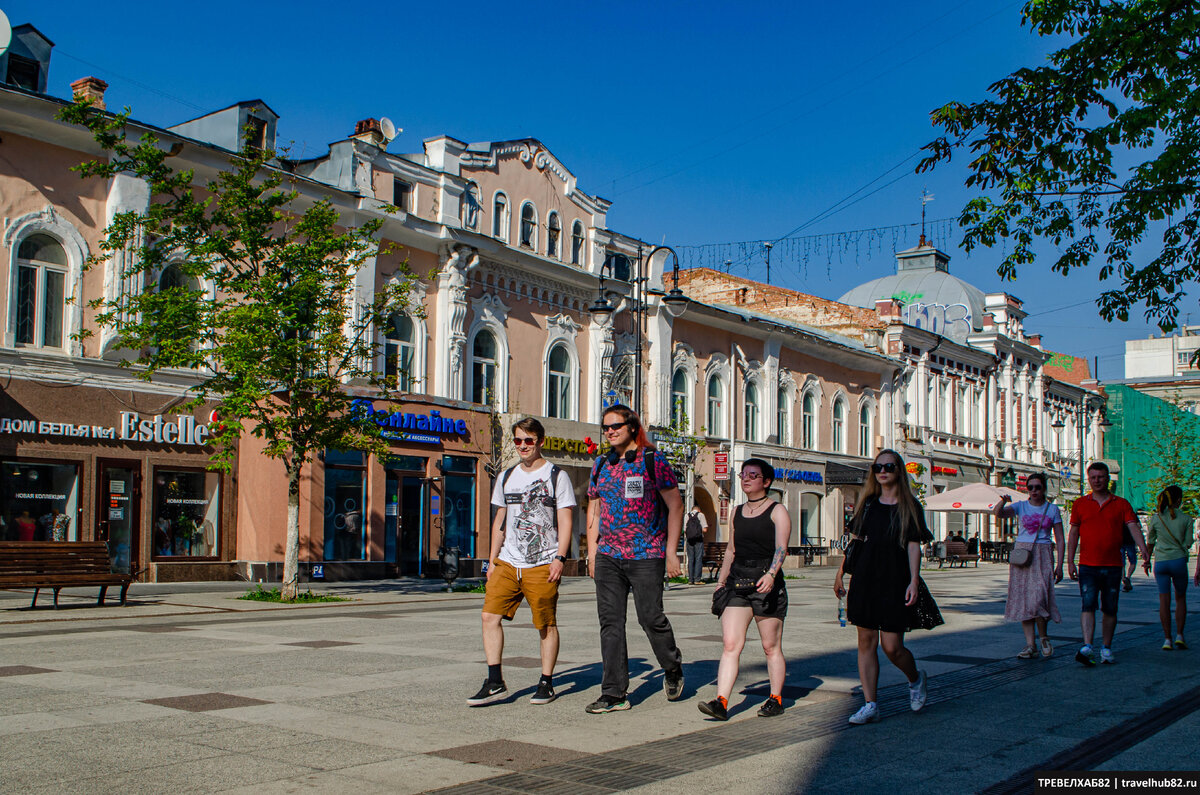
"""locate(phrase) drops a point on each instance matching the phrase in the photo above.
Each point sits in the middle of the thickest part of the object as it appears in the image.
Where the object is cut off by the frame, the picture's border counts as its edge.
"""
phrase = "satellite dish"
(388, 129)
(5, 33)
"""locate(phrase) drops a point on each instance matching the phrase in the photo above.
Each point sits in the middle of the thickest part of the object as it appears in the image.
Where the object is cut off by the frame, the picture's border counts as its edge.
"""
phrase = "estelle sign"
(183, 429)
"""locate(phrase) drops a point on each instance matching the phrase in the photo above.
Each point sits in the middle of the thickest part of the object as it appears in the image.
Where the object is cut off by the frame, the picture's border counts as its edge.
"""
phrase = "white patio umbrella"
(971, 498)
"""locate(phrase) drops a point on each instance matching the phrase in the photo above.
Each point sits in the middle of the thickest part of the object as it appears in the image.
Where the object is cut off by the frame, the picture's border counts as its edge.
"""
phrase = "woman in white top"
(1031, 587)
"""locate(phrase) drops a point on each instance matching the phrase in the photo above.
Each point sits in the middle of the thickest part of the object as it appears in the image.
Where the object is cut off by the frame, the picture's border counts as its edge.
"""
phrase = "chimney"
(888, 309)
(989, 321)
(1035, 340)
(369, 131)
(91, 89)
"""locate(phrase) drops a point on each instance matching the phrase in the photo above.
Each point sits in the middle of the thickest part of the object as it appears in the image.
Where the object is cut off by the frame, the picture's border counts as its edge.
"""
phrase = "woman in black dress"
(751, 576)
(887, 595)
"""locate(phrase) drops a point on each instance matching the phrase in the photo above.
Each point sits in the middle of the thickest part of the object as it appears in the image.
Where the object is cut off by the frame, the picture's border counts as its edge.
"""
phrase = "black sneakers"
(491, 691)
(606, 704)
(714, 709)
(770, 709)
(673, 685)
(544, 694)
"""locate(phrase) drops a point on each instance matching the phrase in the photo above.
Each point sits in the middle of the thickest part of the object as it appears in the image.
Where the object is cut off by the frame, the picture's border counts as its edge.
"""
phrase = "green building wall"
(1135, 418)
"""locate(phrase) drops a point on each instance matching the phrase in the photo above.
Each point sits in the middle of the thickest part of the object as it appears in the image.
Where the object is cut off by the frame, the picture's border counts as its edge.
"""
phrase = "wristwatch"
(560, 558)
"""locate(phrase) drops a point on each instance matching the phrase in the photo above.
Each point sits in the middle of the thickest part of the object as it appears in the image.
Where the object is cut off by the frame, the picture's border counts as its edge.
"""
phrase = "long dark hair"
(1168, 498)
(907, 509)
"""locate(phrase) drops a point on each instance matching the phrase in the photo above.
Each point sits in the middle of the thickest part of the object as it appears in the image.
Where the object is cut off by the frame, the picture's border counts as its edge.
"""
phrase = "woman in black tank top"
(751, 586)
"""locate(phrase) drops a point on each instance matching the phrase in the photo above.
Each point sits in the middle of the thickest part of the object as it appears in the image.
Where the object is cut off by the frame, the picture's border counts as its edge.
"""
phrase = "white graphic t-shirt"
(531, 523)
(1036, 523)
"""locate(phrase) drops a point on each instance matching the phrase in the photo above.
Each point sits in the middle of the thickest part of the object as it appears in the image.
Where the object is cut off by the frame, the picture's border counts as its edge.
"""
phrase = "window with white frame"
(400, 352)
(558, 383)
(839, 426)
(864, 431)
(943, 406)
(962, 418)
(173, 277)
(679, 399)
(577, 243)
(783, 416)
(716, 406)
(808, 422)
(553, 233)
(471, 206)
(751, 417)
(528, 225)
(500, 217)
(483, 368)
(40, 292)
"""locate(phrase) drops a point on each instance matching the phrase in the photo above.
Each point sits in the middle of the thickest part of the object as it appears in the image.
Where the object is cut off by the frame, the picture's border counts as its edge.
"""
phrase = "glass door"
(118, 497)
(410, 530)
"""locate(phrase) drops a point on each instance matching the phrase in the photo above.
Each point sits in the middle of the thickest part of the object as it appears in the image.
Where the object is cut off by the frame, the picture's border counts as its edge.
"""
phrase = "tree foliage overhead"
(1095, 152)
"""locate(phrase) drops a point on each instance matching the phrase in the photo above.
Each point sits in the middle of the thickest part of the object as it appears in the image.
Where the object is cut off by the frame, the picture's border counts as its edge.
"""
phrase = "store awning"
(844, 475)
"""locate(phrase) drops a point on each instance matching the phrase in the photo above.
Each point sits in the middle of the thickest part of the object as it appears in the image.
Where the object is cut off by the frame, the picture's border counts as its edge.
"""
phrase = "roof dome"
(932, 298)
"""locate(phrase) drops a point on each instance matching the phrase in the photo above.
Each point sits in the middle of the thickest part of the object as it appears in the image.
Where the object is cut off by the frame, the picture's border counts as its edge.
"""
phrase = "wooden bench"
(956, 553)
(713, 557)
(58, 565)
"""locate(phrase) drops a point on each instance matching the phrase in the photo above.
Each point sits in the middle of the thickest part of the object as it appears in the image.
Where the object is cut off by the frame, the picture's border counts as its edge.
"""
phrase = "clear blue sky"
(702, 122)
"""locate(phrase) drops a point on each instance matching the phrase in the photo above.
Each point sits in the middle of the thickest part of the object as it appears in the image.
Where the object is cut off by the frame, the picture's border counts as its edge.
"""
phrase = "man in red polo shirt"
(1098, 523)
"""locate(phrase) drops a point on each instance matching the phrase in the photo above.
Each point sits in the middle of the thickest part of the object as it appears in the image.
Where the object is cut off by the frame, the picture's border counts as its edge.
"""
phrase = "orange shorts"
(508, 585)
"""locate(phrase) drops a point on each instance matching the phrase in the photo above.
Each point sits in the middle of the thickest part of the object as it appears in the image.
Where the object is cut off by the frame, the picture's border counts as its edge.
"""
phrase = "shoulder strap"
(596, 469)
(648, 459)
(507, 474)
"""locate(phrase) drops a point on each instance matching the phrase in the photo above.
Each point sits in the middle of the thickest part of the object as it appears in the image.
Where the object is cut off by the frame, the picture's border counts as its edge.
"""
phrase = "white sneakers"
(1106, 656)
(868, 714)
(917, 693)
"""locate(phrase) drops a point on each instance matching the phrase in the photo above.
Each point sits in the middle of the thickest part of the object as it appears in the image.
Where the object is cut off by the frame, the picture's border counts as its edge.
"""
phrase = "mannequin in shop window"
(162, 536)
(26, 526)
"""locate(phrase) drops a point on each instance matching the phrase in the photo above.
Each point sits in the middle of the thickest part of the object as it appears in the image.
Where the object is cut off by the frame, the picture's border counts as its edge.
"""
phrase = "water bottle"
(841, 612)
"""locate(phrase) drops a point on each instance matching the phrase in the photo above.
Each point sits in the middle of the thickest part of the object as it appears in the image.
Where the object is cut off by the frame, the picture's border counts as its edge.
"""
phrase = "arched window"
(558, 383)
(577, 243)
(679, 400)
(864, 432)
(173, 276)
(483, 369)
(839, 426)
(528, 225)
(471, 206)
(808, 423)
(751, 413)
(783, 416)
(399, 352)
(500, 217)
(716, 404)
(553, 233)
(40, 292)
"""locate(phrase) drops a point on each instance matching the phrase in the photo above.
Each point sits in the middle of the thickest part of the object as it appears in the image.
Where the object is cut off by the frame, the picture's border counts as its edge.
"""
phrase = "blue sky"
(702, 122)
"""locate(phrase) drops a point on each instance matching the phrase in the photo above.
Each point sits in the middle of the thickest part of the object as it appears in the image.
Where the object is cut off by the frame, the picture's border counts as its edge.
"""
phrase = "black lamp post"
(674, 301)
(1058, 424)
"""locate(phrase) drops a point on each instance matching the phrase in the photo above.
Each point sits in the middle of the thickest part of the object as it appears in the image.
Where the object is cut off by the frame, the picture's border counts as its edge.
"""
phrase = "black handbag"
(852, 553)
(720, 600)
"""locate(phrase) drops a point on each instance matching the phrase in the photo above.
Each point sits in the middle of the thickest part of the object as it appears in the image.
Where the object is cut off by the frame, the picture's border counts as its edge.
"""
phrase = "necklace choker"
(760, 499)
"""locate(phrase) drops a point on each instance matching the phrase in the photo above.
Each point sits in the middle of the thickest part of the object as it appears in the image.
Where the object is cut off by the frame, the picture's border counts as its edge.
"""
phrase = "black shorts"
(772, 604)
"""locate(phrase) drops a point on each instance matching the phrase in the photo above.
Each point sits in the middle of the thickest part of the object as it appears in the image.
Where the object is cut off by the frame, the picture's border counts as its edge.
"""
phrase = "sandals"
(1047, 649)
(1027, 653)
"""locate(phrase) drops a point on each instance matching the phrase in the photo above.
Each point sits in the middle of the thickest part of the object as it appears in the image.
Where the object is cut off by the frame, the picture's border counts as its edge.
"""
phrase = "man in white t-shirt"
(531, 535)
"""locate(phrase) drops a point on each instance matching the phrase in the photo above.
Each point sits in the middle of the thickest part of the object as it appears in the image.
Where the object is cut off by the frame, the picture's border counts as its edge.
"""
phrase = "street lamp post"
(1058, 424)
(673, 300)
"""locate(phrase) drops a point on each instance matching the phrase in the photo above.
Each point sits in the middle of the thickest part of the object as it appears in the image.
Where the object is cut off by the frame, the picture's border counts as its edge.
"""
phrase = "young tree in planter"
(261, 307)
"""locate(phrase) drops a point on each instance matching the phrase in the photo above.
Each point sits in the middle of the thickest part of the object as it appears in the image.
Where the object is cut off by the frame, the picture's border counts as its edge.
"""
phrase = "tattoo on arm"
(777, 560)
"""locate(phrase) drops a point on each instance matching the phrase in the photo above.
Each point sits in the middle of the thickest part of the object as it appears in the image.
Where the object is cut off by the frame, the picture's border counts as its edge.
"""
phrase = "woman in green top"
(1169, 540)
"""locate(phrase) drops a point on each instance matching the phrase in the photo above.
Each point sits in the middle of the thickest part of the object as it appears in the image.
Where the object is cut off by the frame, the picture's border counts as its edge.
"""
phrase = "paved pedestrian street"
(188, 689)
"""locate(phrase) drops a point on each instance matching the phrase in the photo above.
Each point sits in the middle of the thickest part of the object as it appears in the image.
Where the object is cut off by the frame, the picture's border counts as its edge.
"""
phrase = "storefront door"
(411, 533)
(118, 497)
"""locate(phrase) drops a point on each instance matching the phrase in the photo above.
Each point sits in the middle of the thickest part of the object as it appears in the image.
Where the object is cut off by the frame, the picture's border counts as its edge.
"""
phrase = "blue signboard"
(409, 426)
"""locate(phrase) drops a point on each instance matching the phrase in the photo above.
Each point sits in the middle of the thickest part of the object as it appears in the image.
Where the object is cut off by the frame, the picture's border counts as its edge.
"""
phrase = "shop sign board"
(800, 475)
(584, 446)
(183, 429)
(944, 470)
(409, 426)
(720, 466)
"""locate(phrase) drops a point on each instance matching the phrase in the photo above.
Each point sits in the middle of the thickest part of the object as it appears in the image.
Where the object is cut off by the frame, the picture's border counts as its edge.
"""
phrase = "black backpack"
(660, 507)
(693, 531)
(554, 470)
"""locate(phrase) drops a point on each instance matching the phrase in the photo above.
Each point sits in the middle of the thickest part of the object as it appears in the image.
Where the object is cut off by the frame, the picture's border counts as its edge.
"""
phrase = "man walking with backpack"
(634, 518)
(531, 535)
(693, 533)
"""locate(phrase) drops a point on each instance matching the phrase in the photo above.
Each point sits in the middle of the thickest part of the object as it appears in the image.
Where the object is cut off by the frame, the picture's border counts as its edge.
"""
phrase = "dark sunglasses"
(519, 442)
(888, 467)
(614, 427)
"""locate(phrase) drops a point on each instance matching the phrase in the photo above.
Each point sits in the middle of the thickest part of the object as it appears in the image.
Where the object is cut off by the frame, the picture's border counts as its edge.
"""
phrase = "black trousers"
(614, 580)
(695, 553)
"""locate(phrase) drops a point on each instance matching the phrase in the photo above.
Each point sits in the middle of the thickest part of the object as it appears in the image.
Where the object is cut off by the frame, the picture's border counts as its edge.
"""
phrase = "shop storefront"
(83, 464)
(371, 517)
(799, 486)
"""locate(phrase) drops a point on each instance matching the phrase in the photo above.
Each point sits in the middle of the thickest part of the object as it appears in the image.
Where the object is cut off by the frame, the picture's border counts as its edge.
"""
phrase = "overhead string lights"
(851, 246)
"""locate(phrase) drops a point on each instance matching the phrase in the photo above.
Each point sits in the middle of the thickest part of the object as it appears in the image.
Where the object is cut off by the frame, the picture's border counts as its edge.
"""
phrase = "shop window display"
(39, 502)
(345, 498)
(187, 513)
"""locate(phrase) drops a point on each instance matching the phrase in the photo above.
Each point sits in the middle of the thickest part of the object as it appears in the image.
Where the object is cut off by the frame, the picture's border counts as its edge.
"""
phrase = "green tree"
(1093, 152)
(259, 304)
(1170, 442)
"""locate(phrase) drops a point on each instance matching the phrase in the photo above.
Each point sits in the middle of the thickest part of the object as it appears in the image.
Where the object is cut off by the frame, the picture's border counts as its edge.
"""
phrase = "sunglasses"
(751, 476)
(616, 426)
(519, 442)
(1035, 488)
(888, 467)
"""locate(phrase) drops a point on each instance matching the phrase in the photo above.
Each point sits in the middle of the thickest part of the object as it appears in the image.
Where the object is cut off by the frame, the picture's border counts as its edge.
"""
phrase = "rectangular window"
(402, 195)
(345, 502)
(187, 513)
(39, 502)
(52, 309)
(26, 303)
(256, 135)
(24, 72)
